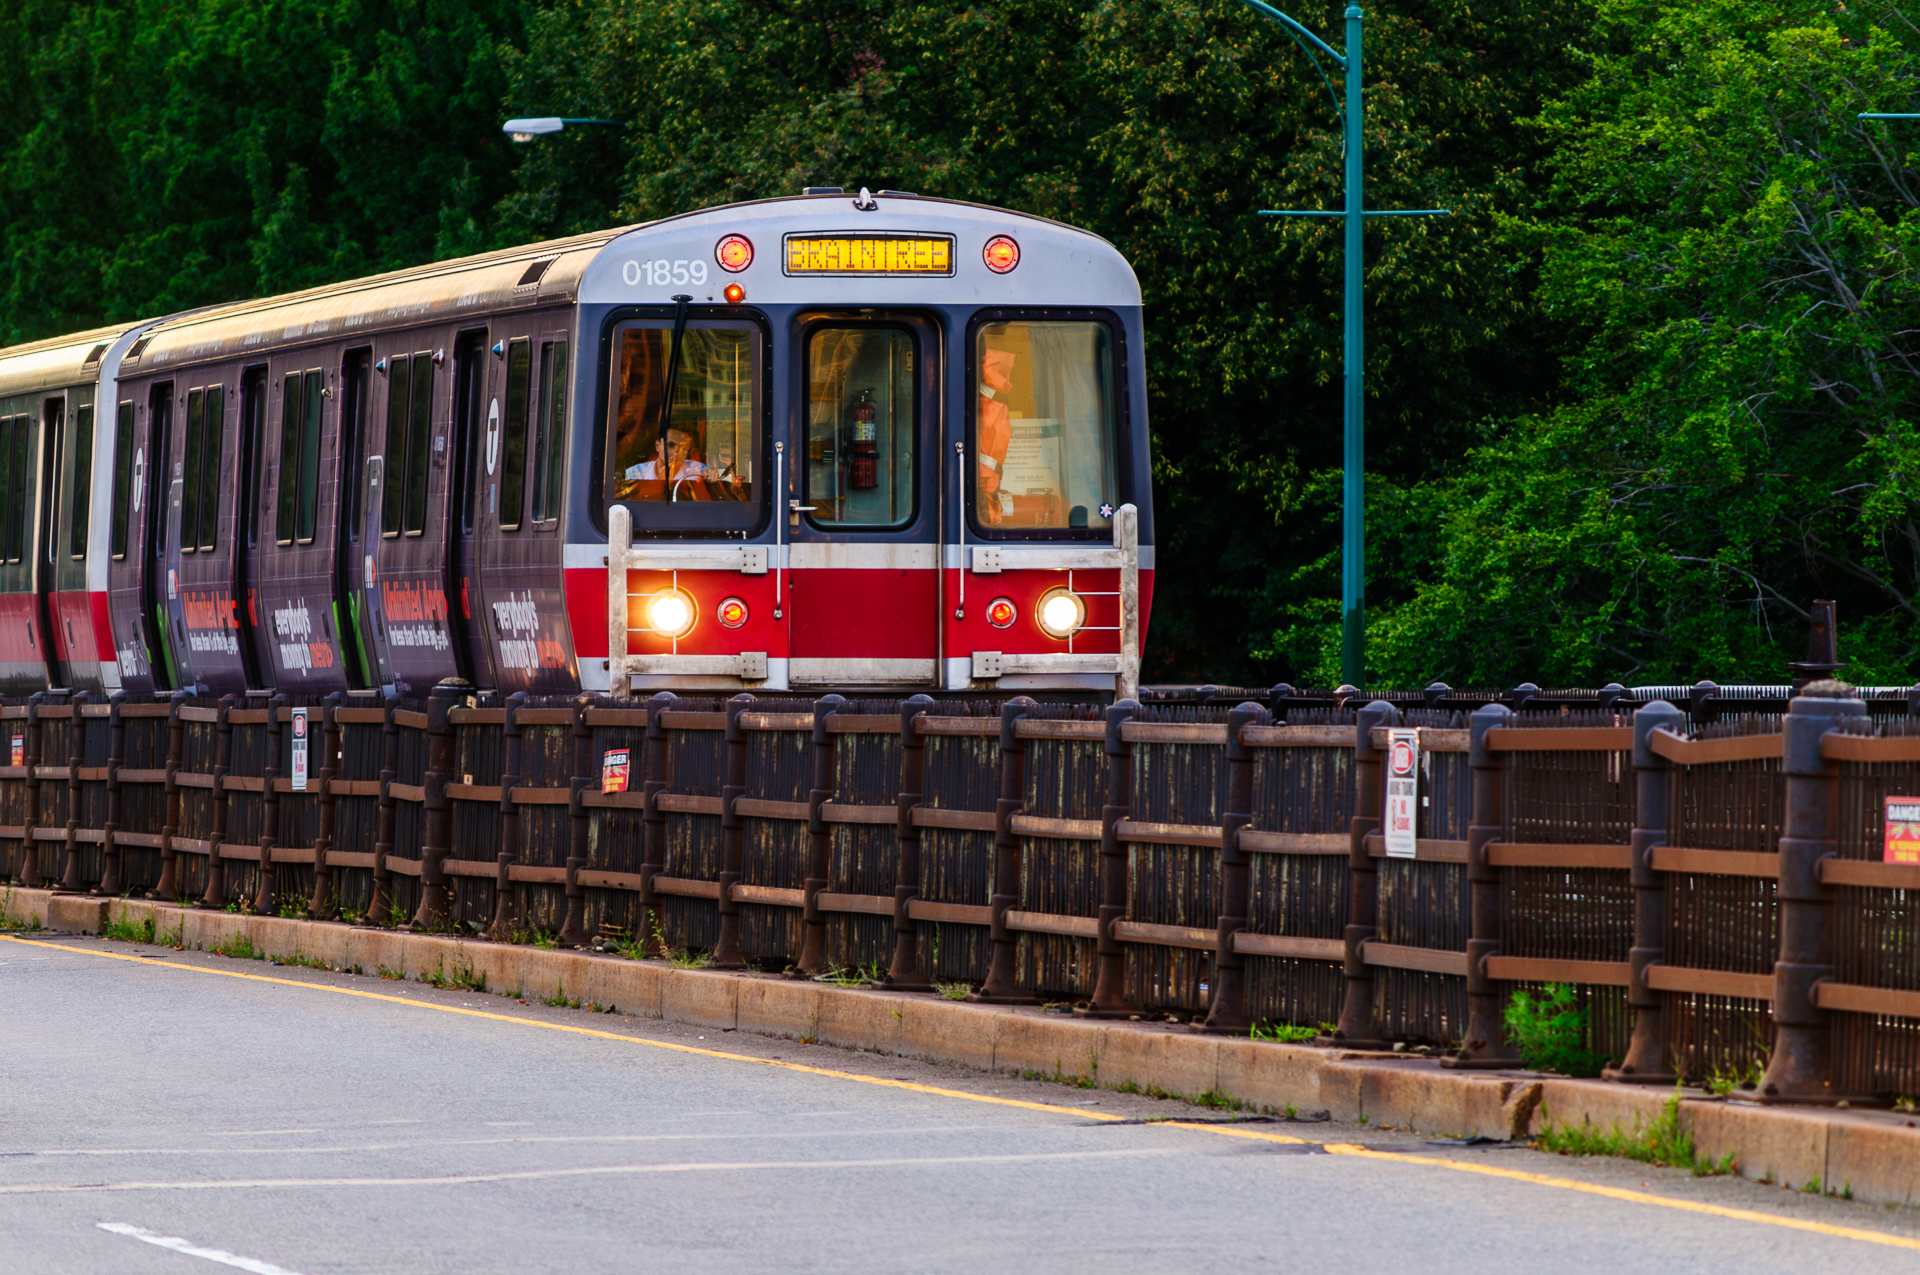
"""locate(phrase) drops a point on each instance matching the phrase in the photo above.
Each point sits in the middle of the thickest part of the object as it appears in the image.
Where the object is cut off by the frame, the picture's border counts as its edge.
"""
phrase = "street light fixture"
(1353, 534)
(539, 126)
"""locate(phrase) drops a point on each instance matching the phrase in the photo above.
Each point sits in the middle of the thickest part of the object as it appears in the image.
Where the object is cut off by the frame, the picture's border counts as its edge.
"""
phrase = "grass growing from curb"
(123, 930)
(1289, 1033)
(240, 947)
(1662, 1141)
(954, 991)
(8, 921)
(463, 978)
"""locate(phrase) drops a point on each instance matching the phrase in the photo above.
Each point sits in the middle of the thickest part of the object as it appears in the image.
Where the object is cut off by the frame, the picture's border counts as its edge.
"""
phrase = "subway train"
(842, 441)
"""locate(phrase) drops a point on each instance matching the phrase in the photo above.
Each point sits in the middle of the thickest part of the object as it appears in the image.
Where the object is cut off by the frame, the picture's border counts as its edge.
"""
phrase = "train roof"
(1060, 265)
(58, 361)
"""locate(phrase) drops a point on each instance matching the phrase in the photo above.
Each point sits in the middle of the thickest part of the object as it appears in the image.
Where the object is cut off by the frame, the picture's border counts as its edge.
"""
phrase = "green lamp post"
(1353, 534)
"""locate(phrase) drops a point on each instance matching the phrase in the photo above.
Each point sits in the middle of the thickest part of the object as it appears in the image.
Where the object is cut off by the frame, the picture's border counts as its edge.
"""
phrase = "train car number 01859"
(663, 273)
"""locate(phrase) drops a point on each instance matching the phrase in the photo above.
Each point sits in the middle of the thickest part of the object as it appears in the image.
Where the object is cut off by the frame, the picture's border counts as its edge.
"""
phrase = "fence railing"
(1714, 884)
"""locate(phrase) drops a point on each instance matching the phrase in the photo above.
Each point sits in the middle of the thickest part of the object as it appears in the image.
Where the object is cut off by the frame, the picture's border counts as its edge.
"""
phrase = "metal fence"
(1707, 870)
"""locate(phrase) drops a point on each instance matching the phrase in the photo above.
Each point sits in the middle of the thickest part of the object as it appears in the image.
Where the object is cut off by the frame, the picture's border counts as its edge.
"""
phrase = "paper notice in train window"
(1901, 843)
(1403, 792)
(613, 770)
(1032, 465)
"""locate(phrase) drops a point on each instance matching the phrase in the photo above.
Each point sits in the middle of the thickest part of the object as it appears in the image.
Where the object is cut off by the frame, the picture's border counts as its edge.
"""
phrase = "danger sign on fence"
(613, 770)
(1403, 790)
(1902, 841)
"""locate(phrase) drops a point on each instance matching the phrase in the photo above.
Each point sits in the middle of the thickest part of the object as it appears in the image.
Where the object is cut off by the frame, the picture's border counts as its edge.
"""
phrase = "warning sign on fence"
(1902, 841)
(613, 770)
(1403, 790)
(297, 778)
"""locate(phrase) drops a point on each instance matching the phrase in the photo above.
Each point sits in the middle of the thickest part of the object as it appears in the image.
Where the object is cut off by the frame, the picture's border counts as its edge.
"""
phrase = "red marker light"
(735, 294)
(1002, 254)
(735, 253)
(732, 613)
(1001, 613)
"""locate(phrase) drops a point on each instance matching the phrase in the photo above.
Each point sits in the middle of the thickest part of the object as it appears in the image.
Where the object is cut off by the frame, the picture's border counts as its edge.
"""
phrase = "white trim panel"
(958, 556)
(861, 672)
(818, 556)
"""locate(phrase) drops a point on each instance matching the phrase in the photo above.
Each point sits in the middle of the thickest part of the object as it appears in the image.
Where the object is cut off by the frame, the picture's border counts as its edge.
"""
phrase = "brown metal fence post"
(1652, 778)
(652, 931)
(573, 931)
(1227, 998)
(1109, 998)
(1357, 1028)
(29, 846)
(813, 948)
(1003, 984)
(168, 887)
(325, 903)
(436, 809)
(111, 874)
(504, 896)
(726, 952)
(264, 902)
(76, 753)
(904, 974)
(216, 895)
(380, 903)
(1485, 1046)
(1800, 1069)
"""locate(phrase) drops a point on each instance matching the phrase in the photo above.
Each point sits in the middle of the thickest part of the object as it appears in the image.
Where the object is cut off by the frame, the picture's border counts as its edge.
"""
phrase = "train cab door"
(53, 420)
(476, 442)
(866, 527)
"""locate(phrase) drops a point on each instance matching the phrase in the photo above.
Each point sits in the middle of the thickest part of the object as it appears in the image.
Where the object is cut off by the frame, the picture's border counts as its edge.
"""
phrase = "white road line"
(191, 1249)
(535, 1175)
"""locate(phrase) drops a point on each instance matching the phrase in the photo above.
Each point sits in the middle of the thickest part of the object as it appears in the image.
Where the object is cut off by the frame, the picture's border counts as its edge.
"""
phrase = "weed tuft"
(689, 958)
(391, 974)
(1662, 1141)
(954, 991)
(240, 948)
(123, 930)
(462, 978)
(1289, 1033)
(559, 998)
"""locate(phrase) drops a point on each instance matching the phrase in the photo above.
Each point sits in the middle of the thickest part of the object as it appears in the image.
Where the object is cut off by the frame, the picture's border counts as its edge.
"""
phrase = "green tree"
(1734, 251)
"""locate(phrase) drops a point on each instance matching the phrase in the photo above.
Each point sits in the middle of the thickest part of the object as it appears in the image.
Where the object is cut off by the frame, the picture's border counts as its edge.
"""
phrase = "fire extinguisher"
(866, 446)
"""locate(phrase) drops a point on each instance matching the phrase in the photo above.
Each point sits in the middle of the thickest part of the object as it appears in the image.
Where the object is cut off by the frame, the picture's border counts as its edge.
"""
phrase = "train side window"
(286, 496)
(253, 446)
(1042, 424)
(548, 451)
(11, 428)
(122, 479)
(419, 438)
(513, 442)
(309, 503)
(189, 528)
(82, 503)
(213, 440)
(860, 427)
(394, 473)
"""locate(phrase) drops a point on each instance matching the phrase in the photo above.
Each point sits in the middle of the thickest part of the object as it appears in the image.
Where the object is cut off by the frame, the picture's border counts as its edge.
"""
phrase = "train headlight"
(671, 613)
(732, 613)
(734, 253)
(1061, 612)
(1001, 613)
(1002, 254)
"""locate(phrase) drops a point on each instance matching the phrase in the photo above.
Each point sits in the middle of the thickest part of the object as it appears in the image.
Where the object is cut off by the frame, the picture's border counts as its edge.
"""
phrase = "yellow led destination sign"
(869, 254)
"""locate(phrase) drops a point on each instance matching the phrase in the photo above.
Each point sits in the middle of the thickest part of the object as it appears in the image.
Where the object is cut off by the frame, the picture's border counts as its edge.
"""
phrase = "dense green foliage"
(1632, 406)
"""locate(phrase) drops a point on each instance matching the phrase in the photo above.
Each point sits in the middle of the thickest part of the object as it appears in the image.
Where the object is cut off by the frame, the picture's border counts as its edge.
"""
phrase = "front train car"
(885, 443)
(861, 442)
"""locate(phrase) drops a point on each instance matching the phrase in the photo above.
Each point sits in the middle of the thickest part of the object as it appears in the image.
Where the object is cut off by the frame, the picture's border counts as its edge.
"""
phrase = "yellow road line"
(882, 1081)
(1632, 1197)
(1227, 1131)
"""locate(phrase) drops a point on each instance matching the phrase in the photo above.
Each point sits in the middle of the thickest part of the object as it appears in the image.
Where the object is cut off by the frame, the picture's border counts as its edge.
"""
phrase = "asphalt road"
(289, 1128)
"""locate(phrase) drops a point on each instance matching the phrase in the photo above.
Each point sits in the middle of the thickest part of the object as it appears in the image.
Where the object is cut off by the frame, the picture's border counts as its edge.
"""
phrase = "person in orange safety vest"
(996, 379)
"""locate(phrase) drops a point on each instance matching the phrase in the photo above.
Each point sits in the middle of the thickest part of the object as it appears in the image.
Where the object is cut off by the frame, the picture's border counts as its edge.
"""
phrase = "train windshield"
(696, 454)
(1043, 423)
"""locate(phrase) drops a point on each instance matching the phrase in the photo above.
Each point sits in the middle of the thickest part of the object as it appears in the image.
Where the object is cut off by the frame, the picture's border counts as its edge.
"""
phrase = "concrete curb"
(1874, 1156)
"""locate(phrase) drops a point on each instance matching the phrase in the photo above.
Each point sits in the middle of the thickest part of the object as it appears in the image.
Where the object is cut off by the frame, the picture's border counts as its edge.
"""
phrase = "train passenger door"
(53, 417)
(151, 466)
(254, 653)
(865, 539)
(473, 411)
(407, 491)
(351, 614)
(205, 624)
(74, 634)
